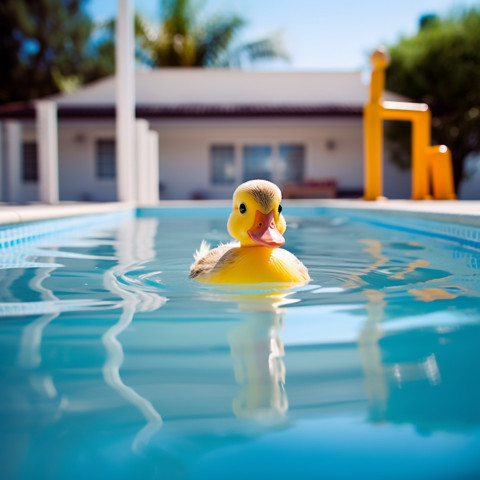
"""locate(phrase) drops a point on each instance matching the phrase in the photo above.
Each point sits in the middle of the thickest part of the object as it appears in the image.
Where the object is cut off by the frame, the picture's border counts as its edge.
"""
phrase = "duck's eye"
(242, 208)
(280, 209)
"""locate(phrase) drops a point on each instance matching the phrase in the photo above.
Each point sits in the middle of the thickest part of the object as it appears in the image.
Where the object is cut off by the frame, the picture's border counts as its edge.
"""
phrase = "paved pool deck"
(458, 211)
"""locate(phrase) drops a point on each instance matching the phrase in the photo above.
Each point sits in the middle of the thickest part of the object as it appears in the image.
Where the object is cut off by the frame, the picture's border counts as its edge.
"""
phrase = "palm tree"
(182, 41)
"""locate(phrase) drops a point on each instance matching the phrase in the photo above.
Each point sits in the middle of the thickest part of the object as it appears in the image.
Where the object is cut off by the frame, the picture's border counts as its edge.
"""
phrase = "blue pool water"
(113, 364)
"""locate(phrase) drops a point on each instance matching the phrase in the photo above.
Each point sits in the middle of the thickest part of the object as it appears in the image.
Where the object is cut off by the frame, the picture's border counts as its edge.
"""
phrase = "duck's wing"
(206, 259)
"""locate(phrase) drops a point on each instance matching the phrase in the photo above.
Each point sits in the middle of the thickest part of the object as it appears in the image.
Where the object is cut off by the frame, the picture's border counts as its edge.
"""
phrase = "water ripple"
(14, 309)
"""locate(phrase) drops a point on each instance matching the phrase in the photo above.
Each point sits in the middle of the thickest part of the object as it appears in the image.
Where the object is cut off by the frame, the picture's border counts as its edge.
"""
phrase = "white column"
(47, 148)
(154, 168)
(125, 94)
(142, 160)
(13, 134)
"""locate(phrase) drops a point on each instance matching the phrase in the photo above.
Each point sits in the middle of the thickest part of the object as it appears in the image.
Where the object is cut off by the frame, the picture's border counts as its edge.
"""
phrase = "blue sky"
(318, 34)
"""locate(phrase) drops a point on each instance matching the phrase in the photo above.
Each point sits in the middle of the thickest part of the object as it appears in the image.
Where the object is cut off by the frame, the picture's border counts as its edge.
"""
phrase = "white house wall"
(78, 180)
(184, 149)
(185, 146)
(76, 150)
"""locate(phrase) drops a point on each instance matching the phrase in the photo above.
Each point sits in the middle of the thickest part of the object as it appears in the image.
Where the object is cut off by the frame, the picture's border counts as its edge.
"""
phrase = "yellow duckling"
(258, 224)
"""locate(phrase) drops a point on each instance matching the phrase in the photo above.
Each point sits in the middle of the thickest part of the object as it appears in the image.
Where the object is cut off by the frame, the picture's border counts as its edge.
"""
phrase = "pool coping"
(466, 212)
(15, 214)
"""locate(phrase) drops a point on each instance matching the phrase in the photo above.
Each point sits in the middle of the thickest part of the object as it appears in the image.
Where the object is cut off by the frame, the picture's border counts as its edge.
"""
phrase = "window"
(257, 162)
(279, 163)
(29, 162)
(292, 160)
(105, 159)
(222, 164)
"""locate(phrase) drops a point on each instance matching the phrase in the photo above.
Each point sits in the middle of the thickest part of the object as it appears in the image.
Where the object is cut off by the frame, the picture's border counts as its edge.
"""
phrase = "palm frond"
(184, 40)
(268, 48)
(215, 38)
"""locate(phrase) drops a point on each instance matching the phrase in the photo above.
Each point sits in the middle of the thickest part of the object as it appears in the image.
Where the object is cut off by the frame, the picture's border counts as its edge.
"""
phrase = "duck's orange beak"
(265, 232)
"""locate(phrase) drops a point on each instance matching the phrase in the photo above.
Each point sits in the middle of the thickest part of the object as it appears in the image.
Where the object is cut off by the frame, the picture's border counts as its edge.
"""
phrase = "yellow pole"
(373, 145)
(420, 142)
(440, 162)
(373, 128)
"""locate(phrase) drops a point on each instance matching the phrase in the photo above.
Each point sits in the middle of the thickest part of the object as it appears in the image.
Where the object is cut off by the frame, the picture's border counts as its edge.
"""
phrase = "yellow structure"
(429, 164)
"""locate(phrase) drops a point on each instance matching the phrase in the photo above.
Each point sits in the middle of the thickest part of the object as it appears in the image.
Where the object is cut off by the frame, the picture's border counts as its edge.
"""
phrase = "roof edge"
(26, 110)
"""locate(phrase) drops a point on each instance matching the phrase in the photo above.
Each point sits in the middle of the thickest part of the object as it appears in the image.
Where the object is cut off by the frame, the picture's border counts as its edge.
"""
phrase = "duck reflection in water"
(257, 351)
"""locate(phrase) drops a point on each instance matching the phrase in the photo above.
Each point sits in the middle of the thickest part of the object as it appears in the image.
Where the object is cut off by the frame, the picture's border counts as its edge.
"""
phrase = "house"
(216, 128)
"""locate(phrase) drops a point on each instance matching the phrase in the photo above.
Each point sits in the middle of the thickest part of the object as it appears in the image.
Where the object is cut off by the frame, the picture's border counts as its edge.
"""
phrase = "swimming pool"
(113, 364)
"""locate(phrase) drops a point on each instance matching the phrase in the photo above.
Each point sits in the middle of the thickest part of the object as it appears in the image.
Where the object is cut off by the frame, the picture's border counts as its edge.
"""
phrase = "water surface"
(113, 364)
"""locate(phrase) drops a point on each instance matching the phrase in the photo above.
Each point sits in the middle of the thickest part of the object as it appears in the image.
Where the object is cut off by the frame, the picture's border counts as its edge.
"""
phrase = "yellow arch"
(428, 163)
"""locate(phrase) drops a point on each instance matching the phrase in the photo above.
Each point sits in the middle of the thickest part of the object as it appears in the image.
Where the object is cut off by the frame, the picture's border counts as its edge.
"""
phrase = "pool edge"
(15, 214)
(466, 212)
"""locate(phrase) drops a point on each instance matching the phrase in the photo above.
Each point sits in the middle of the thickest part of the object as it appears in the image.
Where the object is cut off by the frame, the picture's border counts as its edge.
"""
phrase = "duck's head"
(256, 218)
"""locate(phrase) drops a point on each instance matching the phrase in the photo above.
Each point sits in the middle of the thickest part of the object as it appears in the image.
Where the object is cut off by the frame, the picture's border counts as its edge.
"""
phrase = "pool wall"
(457, 228)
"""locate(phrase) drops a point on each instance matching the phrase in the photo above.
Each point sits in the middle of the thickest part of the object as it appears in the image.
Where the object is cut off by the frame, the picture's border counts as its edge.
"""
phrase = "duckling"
(257, 223)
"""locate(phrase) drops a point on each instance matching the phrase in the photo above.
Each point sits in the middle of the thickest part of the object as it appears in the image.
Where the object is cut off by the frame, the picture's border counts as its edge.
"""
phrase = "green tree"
(440, 65)
(182, 40)
(46, 47)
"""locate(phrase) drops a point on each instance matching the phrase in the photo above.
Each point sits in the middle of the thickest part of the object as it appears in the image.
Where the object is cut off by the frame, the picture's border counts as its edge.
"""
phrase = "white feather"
(202, 251)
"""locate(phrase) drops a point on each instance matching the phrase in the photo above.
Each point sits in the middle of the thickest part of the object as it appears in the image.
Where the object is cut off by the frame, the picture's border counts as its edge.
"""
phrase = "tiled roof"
(17, 110)
(258, 110)
(26, 110)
